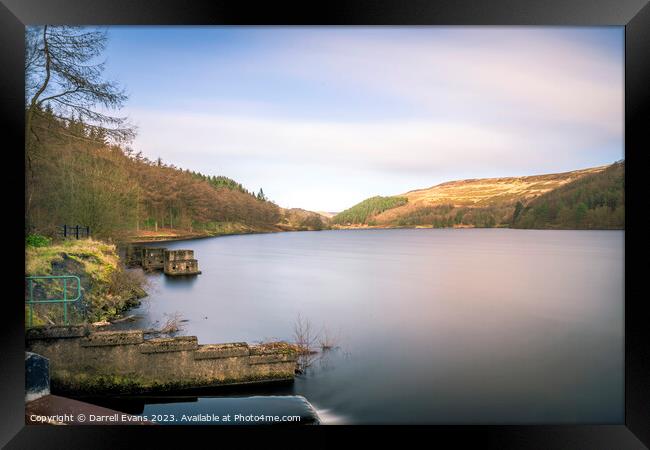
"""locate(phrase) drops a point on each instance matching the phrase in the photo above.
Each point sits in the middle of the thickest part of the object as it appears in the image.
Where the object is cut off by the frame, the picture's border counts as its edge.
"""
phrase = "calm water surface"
(433, 326)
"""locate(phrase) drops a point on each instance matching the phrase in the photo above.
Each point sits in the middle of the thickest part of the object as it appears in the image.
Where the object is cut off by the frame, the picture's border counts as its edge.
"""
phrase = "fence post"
(65, 231)
(88, 232)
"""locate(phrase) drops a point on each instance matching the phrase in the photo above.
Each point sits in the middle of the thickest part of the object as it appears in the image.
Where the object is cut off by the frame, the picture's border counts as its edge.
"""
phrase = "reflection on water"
(435, 326)
(180, 282)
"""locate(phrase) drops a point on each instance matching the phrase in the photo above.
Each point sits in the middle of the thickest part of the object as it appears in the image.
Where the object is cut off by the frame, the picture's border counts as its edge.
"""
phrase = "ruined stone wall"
(179, 255)
(153, 258)
(134, 255)
(181, 262)
(126, 362)
(185, 267)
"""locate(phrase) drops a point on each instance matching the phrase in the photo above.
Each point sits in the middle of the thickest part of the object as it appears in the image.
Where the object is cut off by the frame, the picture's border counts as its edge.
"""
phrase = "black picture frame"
(633, 14)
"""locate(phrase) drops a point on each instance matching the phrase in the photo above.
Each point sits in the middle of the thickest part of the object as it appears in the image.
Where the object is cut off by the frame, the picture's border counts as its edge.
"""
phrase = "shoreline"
(194, 237)
(425, 227)
(191, 237)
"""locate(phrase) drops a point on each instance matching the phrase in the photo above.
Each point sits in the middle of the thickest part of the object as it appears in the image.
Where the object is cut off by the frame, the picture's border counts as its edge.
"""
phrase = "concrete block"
(124, 362)
(153, 258)
(189, 267)
(175, 344)
(179, 255)
(273, 348)
(56, 332)
(180, 262)
(103, 338)
(216, 351)
(271, 359)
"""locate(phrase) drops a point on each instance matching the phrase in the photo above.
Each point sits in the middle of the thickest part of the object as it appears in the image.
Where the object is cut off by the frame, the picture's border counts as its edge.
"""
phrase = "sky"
(324, 117)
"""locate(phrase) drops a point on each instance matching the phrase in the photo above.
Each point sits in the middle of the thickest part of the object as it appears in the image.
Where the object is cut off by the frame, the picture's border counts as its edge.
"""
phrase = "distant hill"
(368, 209)
(301, 219)
(491, 202)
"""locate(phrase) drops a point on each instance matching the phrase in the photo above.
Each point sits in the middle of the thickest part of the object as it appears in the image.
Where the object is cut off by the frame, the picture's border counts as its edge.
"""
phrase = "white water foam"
(329, 417)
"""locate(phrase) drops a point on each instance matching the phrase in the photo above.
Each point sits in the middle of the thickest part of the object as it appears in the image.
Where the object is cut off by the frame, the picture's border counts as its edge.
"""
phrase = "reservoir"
(432, 326)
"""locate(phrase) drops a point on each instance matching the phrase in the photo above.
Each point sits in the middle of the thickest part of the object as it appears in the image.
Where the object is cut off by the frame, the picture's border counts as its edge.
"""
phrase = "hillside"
(303, 220)
(487, 202)
(365, 211)
(596, 200)
(78, 178)
(327, 214)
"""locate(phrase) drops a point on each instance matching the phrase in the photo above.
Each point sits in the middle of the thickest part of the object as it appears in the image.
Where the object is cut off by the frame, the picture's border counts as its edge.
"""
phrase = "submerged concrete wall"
(126, 362)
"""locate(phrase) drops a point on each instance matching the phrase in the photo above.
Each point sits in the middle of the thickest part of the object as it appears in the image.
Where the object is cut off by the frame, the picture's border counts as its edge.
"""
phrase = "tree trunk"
(28, 129)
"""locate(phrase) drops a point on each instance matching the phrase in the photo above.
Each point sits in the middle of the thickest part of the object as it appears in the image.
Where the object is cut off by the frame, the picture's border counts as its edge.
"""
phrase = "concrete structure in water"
(181, 262)
(153, 258)
(134, 255)
(172, 262)
(108, 362)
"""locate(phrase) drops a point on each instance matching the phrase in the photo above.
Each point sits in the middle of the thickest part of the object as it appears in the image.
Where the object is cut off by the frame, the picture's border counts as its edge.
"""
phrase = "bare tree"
(173, 325)
(327, 340)
(305, 339)
(63, 79)
(303, 334)
(62, 73)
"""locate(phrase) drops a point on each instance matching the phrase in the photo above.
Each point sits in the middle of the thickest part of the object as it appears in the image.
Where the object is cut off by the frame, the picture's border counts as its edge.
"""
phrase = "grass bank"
(107, 287)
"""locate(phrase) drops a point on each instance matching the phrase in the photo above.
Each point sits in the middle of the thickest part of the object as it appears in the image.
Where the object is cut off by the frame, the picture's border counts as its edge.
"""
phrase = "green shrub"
(37, 240)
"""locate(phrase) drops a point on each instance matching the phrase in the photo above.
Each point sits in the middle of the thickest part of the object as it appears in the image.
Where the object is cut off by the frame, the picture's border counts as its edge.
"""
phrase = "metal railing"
(65, 300)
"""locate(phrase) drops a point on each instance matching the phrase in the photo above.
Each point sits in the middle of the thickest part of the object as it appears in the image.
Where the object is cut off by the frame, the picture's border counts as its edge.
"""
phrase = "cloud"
(399, 146)
(469, 101)
(473, 73)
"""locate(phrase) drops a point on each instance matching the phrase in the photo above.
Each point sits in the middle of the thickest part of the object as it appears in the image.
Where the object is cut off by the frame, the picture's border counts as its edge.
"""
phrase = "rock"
(101, 323)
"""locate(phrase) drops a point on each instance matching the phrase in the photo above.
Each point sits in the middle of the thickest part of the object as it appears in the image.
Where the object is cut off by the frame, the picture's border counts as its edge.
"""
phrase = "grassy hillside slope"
(108, 288)
(303, 220)
(491, 202)
(596, 201)
(76, 177)
(366, 210)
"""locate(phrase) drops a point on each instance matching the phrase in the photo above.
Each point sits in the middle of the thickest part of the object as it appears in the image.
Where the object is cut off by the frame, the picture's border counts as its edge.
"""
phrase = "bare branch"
(62, 74)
